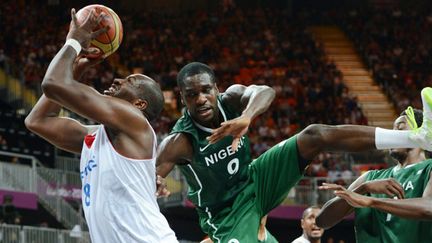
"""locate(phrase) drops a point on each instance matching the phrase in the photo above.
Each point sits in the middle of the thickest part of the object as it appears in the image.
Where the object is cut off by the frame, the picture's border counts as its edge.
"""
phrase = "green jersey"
(217, 173)
(372, 225)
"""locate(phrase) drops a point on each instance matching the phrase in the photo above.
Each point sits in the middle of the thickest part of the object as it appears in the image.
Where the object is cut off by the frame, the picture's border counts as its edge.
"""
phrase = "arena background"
(333, 62)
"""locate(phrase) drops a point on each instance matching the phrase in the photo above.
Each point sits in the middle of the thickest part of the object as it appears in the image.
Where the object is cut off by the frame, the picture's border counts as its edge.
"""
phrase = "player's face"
(401, 153)
(125, 88)
(199, 94)
(310, 229)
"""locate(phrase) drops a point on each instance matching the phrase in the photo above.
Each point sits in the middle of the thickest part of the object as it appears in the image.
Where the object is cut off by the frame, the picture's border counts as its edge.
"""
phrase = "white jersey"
(301, 239)
(119, 194)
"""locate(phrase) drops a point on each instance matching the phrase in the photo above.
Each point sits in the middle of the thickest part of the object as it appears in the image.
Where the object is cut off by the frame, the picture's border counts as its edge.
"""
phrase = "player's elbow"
(271, 92)
(49, 87)
(32, 123)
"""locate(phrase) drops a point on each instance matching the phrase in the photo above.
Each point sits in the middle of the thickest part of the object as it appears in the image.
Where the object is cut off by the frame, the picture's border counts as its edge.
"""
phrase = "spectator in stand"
(311, 232)
(8, 210)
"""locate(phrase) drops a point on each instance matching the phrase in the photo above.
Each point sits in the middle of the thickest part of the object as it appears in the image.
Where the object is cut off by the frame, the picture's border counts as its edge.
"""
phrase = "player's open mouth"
(111, 90)
(316, 230)
(204, 111)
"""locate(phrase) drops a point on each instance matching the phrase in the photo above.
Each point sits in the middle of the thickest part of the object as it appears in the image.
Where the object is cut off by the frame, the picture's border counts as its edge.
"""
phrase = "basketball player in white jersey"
(118, 156)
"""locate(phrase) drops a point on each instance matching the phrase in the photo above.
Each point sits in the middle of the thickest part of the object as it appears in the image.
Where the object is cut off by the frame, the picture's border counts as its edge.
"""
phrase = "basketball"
(109, 41)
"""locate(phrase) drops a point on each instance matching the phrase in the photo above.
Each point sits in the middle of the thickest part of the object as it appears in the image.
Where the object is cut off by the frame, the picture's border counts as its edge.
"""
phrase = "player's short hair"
(309, 208)
(418, 116)
(150, 91)
(192, 69)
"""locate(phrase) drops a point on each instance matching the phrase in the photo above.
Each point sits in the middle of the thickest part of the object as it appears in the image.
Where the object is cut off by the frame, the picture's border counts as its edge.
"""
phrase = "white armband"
(75, 45)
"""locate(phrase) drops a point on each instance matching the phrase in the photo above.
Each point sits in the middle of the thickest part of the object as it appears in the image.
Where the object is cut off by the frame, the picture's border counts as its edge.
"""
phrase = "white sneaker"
(422, 136)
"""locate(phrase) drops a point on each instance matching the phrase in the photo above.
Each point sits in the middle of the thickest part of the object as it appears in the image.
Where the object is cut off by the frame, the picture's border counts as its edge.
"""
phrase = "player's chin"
(205, 116)
(317, 233)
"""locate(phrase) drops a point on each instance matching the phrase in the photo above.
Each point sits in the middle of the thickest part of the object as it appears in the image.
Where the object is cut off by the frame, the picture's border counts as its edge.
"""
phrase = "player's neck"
(413, 157)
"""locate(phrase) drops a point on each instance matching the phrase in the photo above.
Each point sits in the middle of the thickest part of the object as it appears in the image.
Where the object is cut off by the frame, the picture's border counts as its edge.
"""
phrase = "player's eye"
(191, 94)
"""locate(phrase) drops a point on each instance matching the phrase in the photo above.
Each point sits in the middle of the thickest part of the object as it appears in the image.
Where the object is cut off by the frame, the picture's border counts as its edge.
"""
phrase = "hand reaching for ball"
(100, 17)
(86, 31)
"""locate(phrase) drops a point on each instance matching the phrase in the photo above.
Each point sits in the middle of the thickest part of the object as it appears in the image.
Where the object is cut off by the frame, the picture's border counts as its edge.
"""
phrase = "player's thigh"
(274, 173)
(243, 227)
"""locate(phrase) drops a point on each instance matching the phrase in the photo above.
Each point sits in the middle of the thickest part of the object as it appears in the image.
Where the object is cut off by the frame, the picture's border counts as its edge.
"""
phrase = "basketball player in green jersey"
(231, 192)
(399, 198)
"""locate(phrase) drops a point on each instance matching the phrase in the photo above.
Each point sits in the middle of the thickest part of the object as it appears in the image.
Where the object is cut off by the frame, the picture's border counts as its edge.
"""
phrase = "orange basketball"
(109, 41)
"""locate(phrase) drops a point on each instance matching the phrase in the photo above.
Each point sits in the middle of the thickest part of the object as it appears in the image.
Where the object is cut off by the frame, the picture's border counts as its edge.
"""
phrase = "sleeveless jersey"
(372, 225)
(119, 194)
(217, 173)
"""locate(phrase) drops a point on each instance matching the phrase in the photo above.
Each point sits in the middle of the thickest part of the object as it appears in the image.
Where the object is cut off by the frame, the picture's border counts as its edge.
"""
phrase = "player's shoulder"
(184, 123)
(379, 174)
(92, 128)
(425, 164)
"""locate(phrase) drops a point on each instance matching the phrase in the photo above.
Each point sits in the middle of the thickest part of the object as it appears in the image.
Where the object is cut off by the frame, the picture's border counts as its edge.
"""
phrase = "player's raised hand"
(354, 199)
(235, 128)
(87, 30)
(389, 186)
(331, 186)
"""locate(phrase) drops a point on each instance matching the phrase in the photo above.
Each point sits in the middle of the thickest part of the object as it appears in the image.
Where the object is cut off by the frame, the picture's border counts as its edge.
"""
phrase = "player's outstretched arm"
(412, 208)
(336, 209)
(174, 149)
(60, 86)
(251, 101)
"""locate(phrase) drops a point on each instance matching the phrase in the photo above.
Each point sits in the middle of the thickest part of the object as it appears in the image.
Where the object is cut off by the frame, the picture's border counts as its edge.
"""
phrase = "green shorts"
(271, 177)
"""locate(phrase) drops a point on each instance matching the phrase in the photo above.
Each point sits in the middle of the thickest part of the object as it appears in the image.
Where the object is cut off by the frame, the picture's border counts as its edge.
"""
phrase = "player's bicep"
(174, 149)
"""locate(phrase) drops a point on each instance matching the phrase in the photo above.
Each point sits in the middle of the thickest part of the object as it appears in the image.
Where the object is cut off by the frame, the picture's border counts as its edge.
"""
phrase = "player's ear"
(216, 88)
(181, 98)
(140, 104)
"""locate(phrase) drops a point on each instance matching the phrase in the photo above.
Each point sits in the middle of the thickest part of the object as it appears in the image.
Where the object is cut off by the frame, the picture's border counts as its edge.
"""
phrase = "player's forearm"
(333, 212)
(164, 169)
(414, 208)
(259, 101)
(59, 73)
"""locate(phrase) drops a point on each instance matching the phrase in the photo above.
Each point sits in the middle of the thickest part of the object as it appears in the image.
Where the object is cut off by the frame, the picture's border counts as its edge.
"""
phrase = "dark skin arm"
(174, 149)
(412, 208)
(337, 208)
(251, 101)
(44, 121)
(59, 85)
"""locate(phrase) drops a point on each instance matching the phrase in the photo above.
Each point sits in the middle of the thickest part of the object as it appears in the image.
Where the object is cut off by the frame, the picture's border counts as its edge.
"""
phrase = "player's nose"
(201, 99)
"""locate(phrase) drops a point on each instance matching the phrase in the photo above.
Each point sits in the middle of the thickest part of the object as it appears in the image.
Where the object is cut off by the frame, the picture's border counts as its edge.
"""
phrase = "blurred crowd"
(258, 46)
(396, 46)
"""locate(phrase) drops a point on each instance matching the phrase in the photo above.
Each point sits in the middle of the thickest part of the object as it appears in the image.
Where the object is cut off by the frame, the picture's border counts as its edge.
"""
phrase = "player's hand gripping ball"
(109, 41)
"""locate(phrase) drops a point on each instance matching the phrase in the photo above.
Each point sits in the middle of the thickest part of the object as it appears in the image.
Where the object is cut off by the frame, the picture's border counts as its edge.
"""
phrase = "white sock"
(388, 139)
